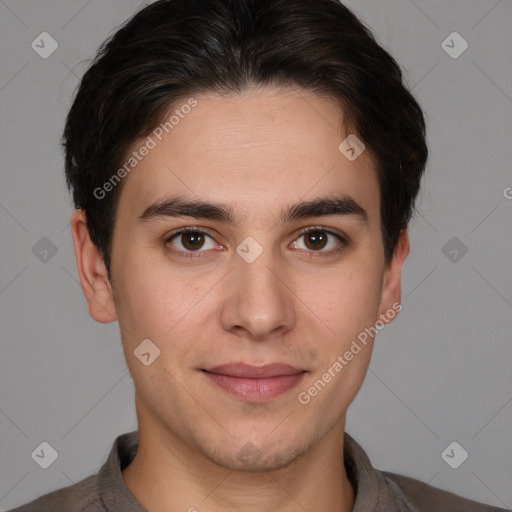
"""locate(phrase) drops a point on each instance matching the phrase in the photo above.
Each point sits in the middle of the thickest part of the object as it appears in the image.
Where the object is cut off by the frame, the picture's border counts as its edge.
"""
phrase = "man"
(242, 212)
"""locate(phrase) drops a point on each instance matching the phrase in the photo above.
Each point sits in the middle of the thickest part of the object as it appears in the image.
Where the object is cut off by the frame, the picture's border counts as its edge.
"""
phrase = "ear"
(391, 292)
(92, 271)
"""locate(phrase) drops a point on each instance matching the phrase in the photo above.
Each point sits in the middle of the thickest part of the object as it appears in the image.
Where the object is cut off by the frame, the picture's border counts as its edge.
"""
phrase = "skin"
(258, 151)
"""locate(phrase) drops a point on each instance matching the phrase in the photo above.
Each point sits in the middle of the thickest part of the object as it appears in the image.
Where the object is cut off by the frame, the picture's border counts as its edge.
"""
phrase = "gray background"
(440, 373)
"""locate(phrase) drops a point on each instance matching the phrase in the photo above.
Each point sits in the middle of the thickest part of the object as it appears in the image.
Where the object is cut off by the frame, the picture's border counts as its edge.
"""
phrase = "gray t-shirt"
(376, 491)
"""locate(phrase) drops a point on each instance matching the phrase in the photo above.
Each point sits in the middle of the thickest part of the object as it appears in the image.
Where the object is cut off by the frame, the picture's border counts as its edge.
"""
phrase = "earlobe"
(391, 293)
(95, 284)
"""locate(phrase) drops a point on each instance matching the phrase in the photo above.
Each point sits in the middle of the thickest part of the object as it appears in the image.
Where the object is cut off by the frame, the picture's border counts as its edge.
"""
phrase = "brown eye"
(315, 240)
(189, 241)
(192, 240)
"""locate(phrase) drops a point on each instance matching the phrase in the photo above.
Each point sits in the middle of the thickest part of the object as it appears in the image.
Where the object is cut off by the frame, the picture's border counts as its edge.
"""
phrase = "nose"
(259, 302)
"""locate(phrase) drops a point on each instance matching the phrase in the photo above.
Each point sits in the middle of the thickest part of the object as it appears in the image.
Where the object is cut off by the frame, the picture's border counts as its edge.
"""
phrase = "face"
(255, 289)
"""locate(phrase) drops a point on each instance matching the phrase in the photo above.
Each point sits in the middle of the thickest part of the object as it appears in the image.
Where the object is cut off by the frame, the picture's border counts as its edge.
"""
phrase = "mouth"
(255, 383)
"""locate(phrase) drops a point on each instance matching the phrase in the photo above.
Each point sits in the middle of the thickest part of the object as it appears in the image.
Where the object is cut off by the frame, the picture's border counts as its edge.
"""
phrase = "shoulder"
(79, 497)
(427, 498)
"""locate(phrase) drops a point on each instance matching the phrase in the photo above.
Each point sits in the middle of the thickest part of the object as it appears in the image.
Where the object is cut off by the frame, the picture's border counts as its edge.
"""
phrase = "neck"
(167, 474)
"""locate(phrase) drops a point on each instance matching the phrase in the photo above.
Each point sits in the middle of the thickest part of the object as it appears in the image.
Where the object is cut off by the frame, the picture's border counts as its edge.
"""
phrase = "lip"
(255, 372)
(255, 383)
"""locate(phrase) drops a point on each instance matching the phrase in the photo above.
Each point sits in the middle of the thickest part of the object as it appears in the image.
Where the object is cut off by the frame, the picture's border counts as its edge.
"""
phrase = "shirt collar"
(110, 486)
(374, 492)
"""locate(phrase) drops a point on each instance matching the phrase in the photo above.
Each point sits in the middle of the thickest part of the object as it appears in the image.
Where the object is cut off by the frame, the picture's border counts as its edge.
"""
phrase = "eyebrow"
(180, 207)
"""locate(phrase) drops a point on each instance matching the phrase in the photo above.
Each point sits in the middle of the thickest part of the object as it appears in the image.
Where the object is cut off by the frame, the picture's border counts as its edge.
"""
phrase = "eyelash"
(344, 242)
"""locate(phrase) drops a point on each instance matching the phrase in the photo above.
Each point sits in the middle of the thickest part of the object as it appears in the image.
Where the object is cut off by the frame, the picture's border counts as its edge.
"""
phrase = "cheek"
(351, 310)
(164, 308)
(350, 299)
(146, 304)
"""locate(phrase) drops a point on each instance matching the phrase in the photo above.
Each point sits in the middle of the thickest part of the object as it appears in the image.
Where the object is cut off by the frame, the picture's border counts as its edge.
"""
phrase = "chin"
(254, 456)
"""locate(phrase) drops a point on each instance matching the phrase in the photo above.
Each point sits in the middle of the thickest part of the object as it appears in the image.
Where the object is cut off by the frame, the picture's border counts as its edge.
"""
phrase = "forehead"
(257, 151)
